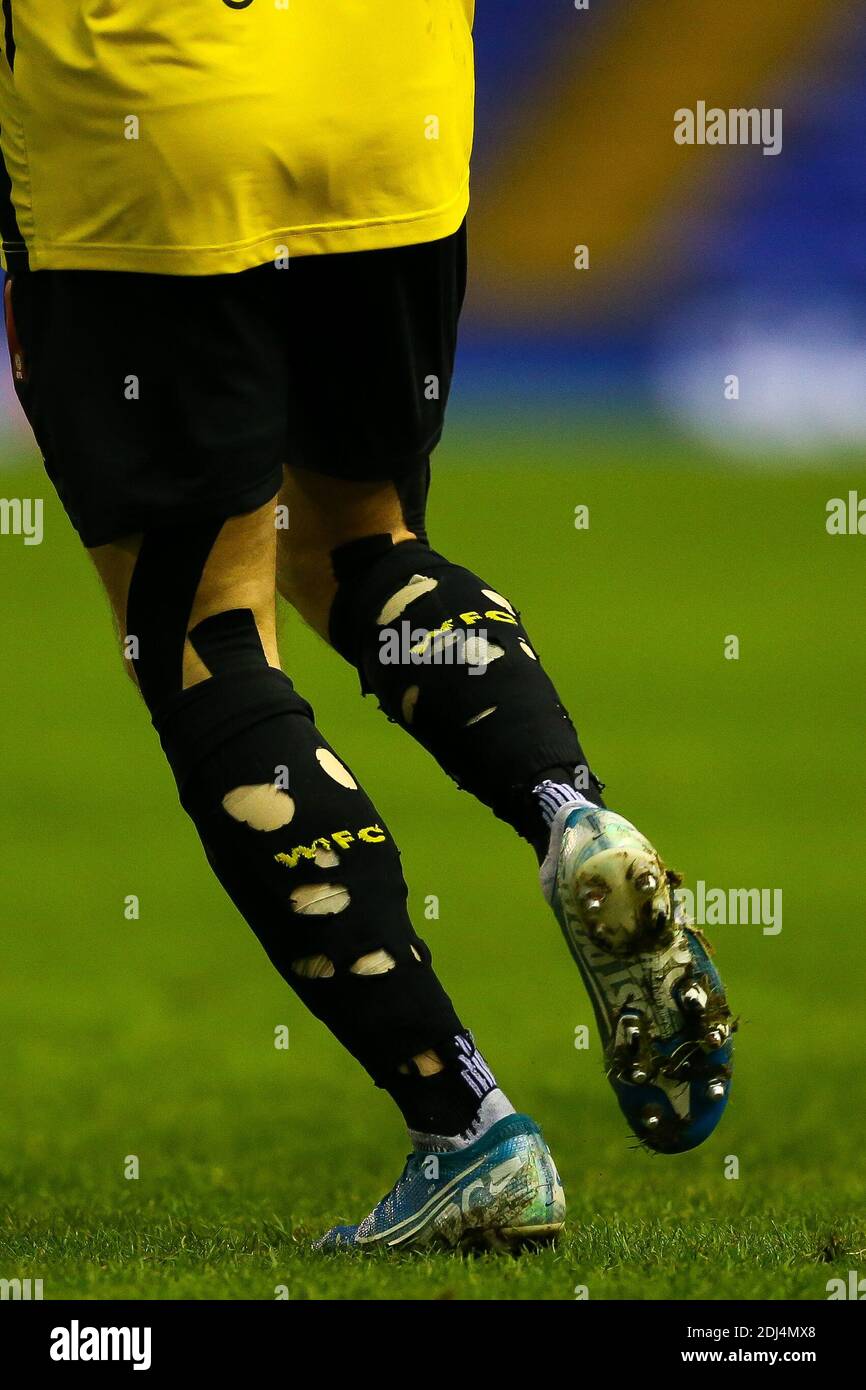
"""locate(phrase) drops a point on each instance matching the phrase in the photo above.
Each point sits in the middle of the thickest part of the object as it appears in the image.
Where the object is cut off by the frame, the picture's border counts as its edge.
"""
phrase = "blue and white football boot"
(500, 1193)
(659, 1003)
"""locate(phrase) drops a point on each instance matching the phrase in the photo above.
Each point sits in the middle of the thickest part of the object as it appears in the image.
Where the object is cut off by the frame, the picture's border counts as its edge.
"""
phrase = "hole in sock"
(334, 768)
(419, 584)
(526, 647)
(320, 899)
(326, 859)
(313, 967)
(478, 651)
(263, 807)
(476, 718)
(374, 963)
(408, 703)
(428, 1063)
(497, 599)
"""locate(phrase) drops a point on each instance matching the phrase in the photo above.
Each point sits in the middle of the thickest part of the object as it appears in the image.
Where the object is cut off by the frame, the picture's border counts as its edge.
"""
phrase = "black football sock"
(304, 855)
(292, 837)
(453, 1107)
(450, 660)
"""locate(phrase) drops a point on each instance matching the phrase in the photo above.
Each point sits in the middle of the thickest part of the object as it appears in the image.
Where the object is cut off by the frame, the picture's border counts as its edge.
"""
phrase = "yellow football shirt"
(194, 137)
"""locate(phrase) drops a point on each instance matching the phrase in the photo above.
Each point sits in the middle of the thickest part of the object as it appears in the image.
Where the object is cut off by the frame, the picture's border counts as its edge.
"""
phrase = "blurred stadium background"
(703, 260)
(601, 387)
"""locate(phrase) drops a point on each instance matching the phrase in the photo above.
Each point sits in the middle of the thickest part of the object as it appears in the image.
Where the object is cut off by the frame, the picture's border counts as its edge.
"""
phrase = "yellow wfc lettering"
(369, 834)
(494, 614)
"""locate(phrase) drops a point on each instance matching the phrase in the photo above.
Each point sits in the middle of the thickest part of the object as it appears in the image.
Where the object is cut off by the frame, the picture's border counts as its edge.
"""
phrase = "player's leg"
(285, 826)
(449, 659)
(305, 857)
(266, 793)
(375, 337)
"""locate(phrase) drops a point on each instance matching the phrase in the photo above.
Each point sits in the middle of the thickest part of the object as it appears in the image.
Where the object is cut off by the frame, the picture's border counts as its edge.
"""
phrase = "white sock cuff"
(495, 1106)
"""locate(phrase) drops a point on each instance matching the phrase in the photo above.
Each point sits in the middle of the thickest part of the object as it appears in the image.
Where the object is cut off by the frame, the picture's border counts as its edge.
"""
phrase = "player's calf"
(468, 685)
(449, 659)
(298, 845)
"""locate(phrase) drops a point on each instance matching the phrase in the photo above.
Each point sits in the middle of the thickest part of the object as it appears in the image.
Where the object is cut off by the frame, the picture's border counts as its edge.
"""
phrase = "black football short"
(160, 398)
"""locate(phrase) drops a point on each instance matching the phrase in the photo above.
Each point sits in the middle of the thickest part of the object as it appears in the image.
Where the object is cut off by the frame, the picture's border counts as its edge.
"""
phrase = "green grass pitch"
(155, 1037)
